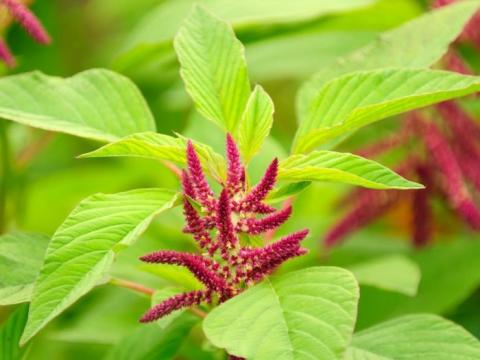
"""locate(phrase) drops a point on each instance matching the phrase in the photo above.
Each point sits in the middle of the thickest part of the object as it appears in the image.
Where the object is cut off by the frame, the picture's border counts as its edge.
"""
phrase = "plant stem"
(5, 173)
(30, 152)
(147, 291)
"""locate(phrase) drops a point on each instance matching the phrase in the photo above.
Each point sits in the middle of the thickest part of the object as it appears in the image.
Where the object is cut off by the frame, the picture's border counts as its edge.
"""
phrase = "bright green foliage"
(342, 167)
(21, 256)
(417, 44)
(426, 337)
(83, 248)
(358, 99)
(96, 104)
(299, 315)
(161, 147)
(255, 123)
(393, 273)
(10, 333)
(213, 68)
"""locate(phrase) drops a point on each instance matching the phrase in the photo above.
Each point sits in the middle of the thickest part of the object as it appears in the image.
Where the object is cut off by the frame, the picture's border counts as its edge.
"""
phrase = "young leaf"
(417, 44)
(21, 256)
(10, 333)
(392, 273)
(297, 315)
(96, 104)
(342, 167)
(161, 147)
(256, 123)
(426, 337)
(213, 68)
(83, 248)
(358, 99)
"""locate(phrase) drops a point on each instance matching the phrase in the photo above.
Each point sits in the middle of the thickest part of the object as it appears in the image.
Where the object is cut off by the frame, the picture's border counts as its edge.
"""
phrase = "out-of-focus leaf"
(342, 167)
(96, 104)
(10, 333)
(361, 98)
(83, 248)
(255, 123)
(416, 44)
(21, 256)
(392, 273)
(161, 147)
(296, 315)
(213, 67)
(426, 337)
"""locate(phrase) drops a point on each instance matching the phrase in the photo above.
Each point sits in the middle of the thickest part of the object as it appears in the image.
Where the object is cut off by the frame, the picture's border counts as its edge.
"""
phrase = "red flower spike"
(258, 226)
(254, 198)
(202, 190)
(422, 212)
(173, 303)
(28, 21)
(235, 171)
(226, 234)
(187, 185)
(6, 55)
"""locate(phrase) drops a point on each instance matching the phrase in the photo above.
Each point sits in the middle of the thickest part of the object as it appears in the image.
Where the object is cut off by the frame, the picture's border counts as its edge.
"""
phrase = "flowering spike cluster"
(225, 267)
(29, 22)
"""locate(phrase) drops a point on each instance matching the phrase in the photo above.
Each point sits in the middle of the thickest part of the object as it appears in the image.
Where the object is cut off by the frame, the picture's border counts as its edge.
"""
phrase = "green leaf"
(150, 343)
(213, 68)
(21, 256)
(342, 167)
(392, 273)
(283, 192)
(256, 123)
(298, 315)
(96, 104)
(161, 147)
(83, 248)
(174, 274)
(416, 44)
(358, 99)
(10, 333)
(426, 337)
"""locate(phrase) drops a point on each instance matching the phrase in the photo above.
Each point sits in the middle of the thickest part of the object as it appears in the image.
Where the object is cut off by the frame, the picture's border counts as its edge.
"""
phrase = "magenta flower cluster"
(28, 21)
(225, 267)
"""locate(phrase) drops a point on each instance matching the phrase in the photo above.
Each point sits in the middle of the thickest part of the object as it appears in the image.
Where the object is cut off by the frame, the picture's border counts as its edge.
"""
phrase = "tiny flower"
(235, 173)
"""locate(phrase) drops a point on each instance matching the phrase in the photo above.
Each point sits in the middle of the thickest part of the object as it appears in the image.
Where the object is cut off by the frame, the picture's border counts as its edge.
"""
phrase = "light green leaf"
(426, 337)
(298, 315)
(21, 256)
(174, 274)
(213, 68)
(342, 167)
(358, 99)
(256, 123)
(161, 147)
(393, 273)
(83, 248)
(151, 343)
(283, 192)
(416, 44)
(10, 333)
(96, 104)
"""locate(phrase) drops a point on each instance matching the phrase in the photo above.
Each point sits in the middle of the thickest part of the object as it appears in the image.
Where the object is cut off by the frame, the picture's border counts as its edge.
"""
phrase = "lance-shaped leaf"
(255, 123)
(342, 167)
(358, 99)
(162, 147)
(96, 104)
(83, 248)
(392, 273)
(426, 337)
(21, 256)
(298, 315)
(417, 44)
(213, 68)
(10, 333)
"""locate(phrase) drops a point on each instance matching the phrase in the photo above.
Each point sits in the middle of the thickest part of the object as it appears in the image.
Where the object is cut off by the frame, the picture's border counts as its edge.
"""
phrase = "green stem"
(5, 173)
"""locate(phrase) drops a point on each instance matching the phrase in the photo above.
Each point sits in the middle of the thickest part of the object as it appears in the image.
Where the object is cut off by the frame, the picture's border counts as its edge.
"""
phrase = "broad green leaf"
(283, 192)
(10, 333)
(298, 315)
(426, 337)
(213, 67)
(96, 104)
(358, 99)
(255, 123)
(21, 256)
(416, 44)
(83, 248)
(393, 273)
(342, 167)
(161, 147)
(151, 343)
